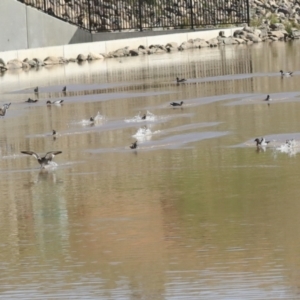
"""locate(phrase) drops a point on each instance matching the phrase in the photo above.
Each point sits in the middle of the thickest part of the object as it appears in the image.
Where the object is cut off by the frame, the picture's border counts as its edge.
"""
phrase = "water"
(195, 212)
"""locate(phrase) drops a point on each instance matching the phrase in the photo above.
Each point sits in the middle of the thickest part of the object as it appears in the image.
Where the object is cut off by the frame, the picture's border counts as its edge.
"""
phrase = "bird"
(285, 73)
(268, 98)
(144, 117)
(54, 134)
(180, 80)
(56, 102)
(176, 103)
(45, 160)
(92, 119)
(4, 108)
(133, 145)
(64, 89)
(36, 90)
(261, 142)
(29, 100)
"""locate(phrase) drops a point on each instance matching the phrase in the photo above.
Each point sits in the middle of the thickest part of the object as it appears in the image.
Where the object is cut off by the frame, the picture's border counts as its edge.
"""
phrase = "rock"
(229, 41)
(53, 60)
(39, 62)
(32, 63)
(185, 46)
(222, 34)
(172, 45)
(14, 64)
(26, 66)
(142, 51)
(213, 42)
(134, 52)
(240, 41)
(277, 34)
(253, 38)
(94, 56)
(81, 57)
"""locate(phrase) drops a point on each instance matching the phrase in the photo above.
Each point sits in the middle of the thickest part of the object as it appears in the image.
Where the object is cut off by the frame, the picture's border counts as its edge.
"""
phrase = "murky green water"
(195, 212)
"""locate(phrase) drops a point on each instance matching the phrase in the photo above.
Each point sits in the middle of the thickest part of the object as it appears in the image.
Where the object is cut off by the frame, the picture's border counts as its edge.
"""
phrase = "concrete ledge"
(71, 51)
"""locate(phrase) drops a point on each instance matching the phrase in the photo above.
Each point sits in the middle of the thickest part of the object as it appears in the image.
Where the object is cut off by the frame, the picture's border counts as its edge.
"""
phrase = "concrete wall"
(71, 51)
(26, 27)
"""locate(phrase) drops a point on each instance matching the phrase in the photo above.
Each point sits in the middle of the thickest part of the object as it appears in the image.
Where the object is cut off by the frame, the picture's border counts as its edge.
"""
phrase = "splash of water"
(139, 118)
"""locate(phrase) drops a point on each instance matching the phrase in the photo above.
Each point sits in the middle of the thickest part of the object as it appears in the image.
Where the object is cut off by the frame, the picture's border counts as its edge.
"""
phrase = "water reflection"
(187, 214)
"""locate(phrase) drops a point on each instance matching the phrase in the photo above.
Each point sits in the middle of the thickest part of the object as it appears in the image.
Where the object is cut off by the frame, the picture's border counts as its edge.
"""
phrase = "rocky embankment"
(247, 35)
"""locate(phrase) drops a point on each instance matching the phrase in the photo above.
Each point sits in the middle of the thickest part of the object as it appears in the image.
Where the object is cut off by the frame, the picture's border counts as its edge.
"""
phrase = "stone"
(172, 45)
(229, 41)
(2, 63)
(213, 42)
(32, 63)
(240, 41)
(39, 62)
(94, 56)
(134, 52)
(276, 34)
(252, 37)
(52, 60)
(14, 64)
(81, 57)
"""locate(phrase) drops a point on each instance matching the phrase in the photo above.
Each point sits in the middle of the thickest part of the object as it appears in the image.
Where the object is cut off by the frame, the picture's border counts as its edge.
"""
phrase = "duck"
(133, 145)
(180, 80)
(261, 142)
(285, 73)
(56, 102)
(29, 100)
(4, 108)
(268, 98)
(36, 90)
(64, 89)
(176, 103)
(144, 117)
(92, 119)
(45, 160)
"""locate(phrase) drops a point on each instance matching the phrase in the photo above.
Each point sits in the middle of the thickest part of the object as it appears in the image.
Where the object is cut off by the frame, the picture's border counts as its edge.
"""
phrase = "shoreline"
(39, 57)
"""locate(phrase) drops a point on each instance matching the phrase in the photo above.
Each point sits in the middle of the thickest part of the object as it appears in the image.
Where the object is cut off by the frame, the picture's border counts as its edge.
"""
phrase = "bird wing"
(6, 105)
(32, 153)
(51, 154)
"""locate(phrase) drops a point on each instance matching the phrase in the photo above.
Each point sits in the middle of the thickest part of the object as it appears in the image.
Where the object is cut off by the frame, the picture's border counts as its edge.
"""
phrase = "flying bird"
(261, 142)
(285, 73)
(44, 161)
(4, 108)
(176, 103)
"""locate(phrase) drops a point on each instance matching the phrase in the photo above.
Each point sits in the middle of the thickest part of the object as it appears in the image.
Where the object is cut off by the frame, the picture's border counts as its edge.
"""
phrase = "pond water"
(194, 212)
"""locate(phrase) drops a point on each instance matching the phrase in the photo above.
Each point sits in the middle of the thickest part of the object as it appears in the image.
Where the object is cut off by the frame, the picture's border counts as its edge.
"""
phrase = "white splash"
(144, 134)
(141, 117)
(97, 120)
(290, 147)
